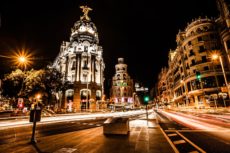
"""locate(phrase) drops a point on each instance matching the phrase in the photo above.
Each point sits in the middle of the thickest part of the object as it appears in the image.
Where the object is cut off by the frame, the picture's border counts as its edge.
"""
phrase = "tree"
(53, 82)
(45, 81)
(13, 83)
(34, 83)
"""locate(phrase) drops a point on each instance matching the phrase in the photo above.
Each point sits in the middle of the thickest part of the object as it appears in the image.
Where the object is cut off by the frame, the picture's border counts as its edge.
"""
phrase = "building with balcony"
(193, 78)
(81, 63)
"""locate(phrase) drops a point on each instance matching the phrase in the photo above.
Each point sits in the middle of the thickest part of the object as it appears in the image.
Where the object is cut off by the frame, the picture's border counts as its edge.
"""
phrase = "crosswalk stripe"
(172, 134)
(179, 141)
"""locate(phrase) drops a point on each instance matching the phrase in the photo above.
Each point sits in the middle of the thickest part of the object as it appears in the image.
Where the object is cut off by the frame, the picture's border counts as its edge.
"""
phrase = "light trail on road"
(222, 133)
(192, 122)
(73, 117)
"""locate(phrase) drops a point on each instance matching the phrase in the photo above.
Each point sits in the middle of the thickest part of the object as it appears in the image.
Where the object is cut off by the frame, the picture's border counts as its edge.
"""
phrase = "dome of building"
(84, 30)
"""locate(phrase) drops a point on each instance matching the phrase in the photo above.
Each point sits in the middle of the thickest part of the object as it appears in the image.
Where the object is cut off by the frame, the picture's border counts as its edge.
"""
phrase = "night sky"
(142, 32)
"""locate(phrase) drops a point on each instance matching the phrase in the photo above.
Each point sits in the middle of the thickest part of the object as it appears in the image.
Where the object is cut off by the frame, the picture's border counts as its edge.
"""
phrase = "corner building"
(122, 87)
(81, 63)
(193, 78)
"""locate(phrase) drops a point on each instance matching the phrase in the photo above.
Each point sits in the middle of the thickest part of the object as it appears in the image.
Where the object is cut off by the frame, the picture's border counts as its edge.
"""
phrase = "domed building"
(81, 63)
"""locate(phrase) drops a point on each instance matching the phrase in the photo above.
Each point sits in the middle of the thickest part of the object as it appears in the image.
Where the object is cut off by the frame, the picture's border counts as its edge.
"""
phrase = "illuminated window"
(98, 95)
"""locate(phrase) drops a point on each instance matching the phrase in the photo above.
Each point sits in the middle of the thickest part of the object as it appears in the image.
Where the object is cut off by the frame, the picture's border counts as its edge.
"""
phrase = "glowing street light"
(215, 56)
(38, 96)
(22, 58)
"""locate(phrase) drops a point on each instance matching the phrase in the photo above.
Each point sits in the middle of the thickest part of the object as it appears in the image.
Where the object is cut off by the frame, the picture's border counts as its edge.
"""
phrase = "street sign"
(20, 103)
(37, 115)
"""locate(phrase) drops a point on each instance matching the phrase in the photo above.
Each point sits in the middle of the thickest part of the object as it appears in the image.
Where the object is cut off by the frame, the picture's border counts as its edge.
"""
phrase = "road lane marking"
(194, 145)
(172, 134)
(170, 142)
(179, 142)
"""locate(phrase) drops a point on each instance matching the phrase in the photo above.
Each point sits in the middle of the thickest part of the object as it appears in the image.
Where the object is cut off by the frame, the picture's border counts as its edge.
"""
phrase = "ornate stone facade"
(122, 86)
(81, 63)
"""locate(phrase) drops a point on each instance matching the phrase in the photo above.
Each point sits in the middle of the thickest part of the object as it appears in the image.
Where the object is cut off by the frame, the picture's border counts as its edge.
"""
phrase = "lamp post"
(22, 60)
(87, 98)
(33, 139)
(87, 86)
(217, 83)
(186, 94)
(216, 56)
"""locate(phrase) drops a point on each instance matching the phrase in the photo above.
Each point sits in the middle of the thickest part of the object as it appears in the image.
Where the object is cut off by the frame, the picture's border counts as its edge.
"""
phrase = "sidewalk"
(143, 138)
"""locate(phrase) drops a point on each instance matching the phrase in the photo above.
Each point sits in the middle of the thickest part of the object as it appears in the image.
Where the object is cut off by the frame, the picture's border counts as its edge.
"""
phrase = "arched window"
(69, 95)
(98, 95)
(83, 94)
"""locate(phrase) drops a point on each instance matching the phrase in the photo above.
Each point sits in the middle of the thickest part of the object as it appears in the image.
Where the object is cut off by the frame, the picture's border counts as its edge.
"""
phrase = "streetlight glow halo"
(22, 58)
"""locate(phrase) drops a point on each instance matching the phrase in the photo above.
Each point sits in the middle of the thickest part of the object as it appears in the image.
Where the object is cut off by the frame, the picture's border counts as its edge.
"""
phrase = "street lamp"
(22, 60)
(186, 92)
(214, 57)
(33, 139)
(87, 86)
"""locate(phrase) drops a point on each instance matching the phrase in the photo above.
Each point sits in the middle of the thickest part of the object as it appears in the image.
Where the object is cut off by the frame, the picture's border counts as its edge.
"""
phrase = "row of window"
(207, 82)
(206, 38)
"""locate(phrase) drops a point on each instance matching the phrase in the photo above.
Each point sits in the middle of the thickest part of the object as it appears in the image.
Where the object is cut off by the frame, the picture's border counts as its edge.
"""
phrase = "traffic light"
(198, 76)
(146, 99)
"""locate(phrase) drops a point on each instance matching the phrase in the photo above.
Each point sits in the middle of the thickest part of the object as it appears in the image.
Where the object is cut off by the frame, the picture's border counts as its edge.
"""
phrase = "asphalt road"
(21, 133)
(186, 139)
(86, 136)
(16, 134)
